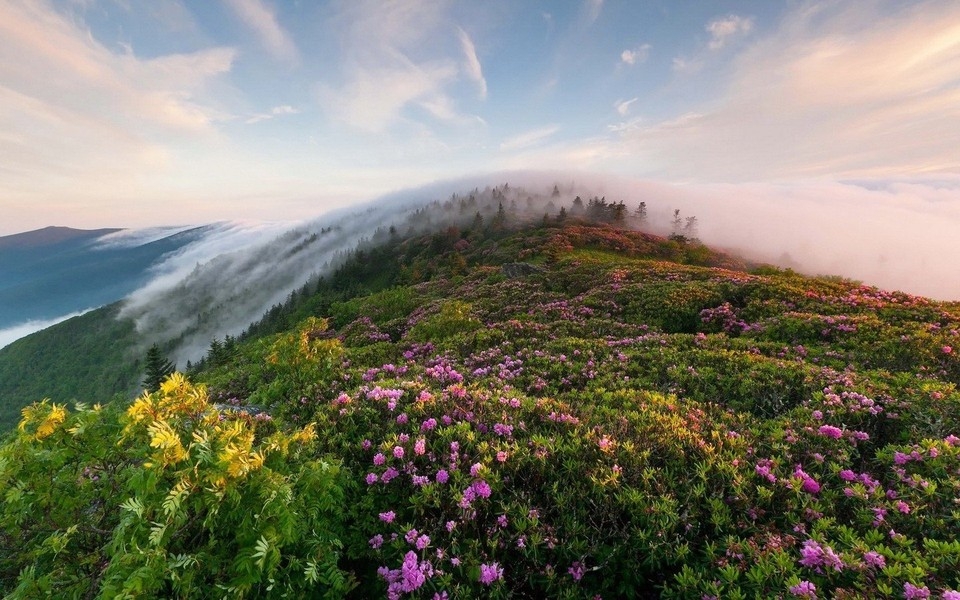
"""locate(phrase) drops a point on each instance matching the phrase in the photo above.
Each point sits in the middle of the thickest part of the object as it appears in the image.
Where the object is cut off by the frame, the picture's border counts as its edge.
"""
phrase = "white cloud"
(472, 65)
(394, 64)
(262, 20)
(528, 138)
(825, 96)
(74, 110)
(623, 106)
(724, 28)
(635, 55)
(276, 111)
(593, 8)
(682, 64)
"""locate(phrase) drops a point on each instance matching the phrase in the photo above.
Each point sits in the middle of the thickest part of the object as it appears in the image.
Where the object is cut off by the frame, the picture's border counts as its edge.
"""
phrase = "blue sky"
(136, 113)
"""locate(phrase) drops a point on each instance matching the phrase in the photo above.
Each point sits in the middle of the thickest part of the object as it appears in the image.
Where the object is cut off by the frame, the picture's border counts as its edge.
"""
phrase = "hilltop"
(561, 408)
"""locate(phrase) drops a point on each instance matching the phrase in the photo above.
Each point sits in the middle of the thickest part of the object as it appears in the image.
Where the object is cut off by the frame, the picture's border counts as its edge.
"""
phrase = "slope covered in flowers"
(570, 410)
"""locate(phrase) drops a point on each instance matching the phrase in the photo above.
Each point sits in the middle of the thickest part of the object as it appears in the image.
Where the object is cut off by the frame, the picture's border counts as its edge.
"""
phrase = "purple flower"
(831, 432)
(429, 424)
(815, 556)
(451, 525)
(875, 559)
(804, 589)
(481, 488)
(411, 536)
(475, 469)
(442, 476)
(950, 595)
(388, 517)
(577, 570)
(810, 486)
(502, 521)
(379, 458)
(912, 592)
(371, 478)
(423, 541)
(848, 475)
(490, 573)
(389, 474)
(376, 541)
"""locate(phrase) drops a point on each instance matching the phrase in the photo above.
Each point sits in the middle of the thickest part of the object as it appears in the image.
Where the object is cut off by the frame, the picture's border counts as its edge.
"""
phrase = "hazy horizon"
(139, 115)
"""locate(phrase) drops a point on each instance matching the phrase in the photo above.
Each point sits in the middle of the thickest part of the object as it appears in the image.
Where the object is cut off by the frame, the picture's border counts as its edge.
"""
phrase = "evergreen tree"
(157, 368)
(578, 208)
(642, 213)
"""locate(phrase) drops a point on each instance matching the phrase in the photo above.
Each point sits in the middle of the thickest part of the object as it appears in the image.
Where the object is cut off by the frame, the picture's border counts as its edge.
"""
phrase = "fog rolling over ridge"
(898, 237)
(221, 285)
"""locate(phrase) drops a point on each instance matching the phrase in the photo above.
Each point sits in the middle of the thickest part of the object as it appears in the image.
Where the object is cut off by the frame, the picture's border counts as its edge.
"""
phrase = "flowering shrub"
(613, 426)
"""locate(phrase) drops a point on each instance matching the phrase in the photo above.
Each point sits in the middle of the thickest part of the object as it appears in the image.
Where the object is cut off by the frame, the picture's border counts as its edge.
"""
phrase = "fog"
(896, 235)
(12, 334)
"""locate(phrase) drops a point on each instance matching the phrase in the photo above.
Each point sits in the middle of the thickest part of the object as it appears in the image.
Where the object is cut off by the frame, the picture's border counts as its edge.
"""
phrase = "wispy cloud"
(262, 20)
(96, 115)
(623, 106)
(723, 29)
(276, 111)
(823, 96)
(394, 62)
(528, 138)
(632, 56)
(472, 64)
(593, 8)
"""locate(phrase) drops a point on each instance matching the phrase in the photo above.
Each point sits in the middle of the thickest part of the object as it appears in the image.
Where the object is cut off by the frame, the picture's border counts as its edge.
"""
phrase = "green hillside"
(84, 359)
(566, 410)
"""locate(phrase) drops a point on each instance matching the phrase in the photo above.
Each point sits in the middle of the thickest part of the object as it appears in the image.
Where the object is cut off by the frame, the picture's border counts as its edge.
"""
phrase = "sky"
(135, 113)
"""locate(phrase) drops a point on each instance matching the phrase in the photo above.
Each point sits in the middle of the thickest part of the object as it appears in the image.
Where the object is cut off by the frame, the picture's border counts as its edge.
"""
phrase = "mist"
(12, 334)
(895, 235)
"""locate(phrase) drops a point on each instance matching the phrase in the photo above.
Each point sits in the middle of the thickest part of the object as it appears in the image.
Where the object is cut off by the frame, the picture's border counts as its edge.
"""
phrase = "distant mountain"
(49, 236)
(56, 271)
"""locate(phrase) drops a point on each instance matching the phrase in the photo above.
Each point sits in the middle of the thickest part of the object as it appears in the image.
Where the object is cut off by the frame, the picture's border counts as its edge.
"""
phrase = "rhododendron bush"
(609, 425)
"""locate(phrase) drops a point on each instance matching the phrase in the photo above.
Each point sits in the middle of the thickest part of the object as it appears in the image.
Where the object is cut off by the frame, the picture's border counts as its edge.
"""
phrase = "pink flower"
(481, 488)
(398, 451)
(947, 349)
(371, 478)
(420, 447)
(875, 559)
(848, 475)
(831, 432)
(804, 589)
(475, 469)
(379, 458)
(912, 592)
(577, 570)
(388, 517)
(490, 573)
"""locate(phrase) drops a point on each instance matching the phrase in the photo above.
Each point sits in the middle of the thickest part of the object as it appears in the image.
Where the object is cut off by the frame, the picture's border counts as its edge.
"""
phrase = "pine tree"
(157, 368)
